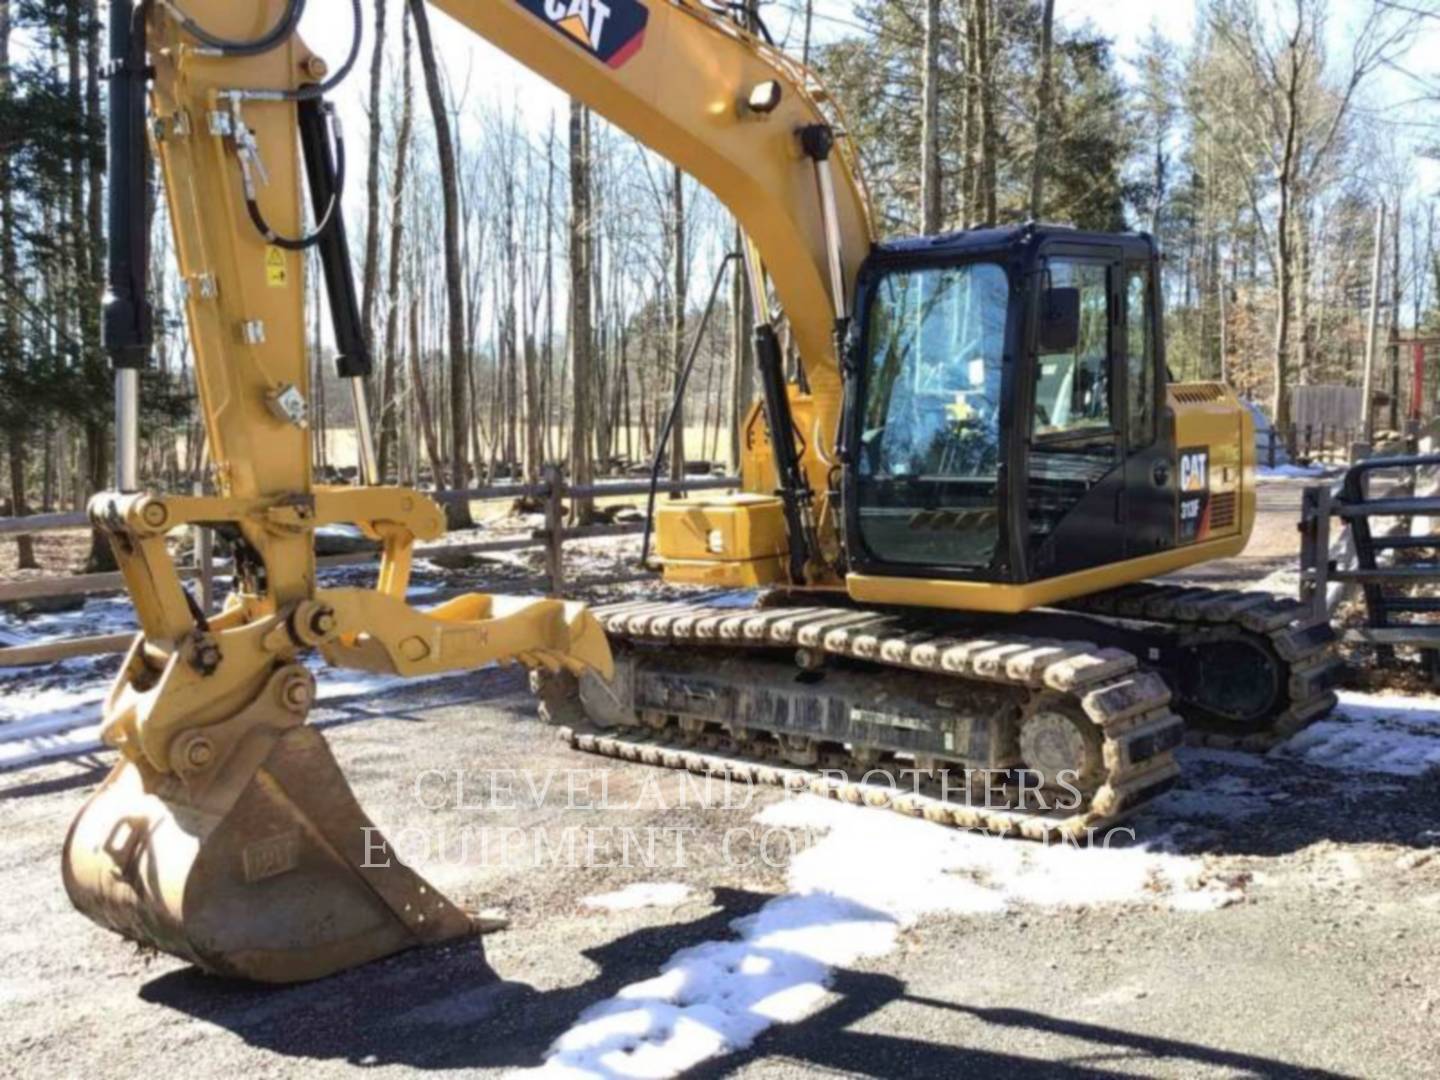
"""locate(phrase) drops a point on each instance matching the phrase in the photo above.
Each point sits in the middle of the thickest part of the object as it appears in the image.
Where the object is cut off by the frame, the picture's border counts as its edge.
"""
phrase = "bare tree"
(389, 411)
(1042, 110)
(984, 53)
(680, 285)
(370, 272)
(457, 513)
(581, 330)
(1296, 118)
(9, 331)
(930, 194)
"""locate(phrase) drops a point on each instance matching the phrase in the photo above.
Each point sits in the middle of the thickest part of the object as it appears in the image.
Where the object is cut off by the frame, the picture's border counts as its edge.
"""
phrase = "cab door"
(1076, 446)
(1148, 502)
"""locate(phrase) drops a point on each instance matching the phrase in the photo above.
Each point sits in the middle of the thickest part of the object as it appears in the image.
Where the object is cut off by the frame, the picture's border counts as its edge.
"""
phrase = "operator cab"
(1007, 420)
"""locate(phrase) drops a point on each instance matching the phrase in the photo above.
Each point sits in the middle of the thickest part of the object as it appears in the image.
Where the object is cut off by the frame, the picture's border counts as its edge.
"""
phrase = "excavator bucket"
(269, 871)
(236, 843)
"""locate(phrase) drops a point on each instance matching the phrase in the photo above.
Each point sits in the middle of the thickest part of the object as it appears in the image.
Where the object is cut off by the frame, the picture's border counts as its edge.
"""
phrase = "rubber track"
(1312, 659)
(1131, 707)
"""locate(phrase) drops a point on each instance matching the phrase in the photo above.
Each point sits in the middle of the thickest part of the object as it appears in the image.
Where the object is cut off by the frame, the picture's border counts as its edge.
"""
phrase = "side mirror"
(1059, 321)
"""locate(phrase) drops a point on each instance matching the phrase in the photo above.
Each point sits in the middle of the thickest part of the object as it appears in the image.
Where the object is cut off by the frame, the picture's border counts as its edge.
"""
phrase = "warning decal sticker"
(612, 31)
(1194, 495)
(277, 274)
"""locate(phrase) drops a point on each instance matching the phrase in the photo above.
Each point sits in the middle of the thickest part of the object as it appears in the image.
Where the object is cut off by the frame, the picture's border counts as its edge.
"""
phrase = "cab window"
(1072, 389)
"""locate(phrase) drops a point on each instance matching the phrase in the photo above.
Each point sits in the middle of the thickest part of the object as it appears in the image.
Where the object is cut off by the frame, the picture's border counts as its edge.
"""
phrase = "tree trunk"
(389, 415)
(456, 513)
(677, 322)
(969, 126)
(9, 335)
(1280, 405)
(422, 399)
(1042, 112)
(1303, 358)
(1393, 349)
(930, 194)
(988, 135)
(370, 272)
(581, 330)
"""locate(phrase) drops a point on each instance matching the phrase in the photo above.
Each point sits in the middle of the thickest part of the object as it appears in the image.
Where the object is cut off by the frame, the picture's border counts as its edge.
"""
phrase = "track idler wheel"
(1063, 746)
(254, 859)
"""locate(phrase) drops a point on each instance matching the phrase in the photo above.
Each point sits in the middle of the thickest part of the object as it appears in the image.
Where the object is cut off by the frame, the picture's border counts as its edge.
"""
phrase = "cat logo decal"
(612, 31)
(1194, 495)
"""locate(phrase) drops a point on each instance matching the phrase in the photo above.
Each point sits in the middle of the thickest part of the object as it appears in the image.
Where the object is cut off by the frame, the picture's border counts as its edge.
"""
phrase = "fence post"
(555, 529)
(1315, 510)
(205, 558)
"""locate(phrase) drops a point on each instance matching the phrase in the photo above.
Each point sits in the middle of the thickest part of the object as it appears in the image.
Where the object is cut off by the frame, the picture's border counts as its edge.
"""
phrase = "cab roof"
(1008, 237)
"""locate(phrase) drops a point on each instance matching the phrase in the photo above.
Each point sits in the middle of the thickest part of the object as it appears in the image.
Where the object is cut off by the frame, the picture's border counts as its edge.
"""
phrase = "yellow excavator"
(939, 567)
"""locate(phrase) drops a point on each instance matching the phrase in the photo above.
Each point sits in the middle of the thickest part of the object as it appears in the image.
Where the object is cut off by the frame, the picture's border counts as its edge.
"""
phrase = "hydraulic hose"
(272, 38)
(304, 243)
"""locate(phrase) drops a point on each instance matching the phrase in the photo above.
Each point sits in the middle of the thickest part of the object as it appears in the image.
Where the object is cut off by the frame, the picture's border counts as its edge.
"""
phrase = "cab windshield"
(929, 462)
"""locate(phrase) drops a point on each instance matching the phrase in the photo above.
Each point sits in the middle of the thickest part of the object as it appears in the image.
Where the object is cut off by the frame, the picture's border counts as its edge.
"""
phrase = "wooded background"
(531, 289)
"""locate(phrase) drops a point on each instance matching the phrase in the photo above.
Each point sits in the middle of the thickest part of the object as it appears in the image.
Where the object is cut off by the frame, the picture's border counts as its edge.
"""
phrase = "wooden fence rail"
(552, 539)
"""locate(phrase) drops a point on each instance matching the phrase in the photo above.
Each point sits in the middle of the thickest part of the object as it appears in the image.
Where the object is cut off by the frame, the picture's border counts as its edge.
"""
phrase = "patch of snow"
(1294, 472)
(867, 878)
(1399, 736)
(53, 710)
(641, 895)
(60, 716)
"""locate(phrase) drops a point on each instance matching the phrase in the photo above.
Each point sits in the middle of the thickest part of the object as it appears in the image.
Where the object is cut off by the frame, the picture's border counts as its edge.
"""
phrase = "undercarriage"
(1051, 725)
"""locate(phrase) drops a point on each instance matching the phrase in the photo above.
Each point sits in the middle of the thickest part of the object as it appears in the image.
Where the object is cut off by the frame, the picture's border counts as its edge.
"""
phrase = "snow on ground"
(53, 710)
(1373, 733)
(642, 895)
(1294, 472)
(63, 720)
(867, 878)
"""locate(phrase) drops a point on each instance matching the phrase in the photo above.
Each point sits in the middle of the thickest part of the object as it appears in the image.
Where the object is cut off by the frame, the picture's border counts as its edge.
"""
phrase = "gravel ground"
(1326, 963)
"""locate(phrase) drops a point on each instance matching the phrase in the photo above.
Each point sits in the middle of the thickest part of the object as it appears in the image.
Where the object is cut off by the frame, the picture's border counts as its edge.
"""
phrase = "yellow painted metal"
(712, 573)
(1209, 415)
(1013, 599)
(252, 857)
(728, 527)
(733, 541)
